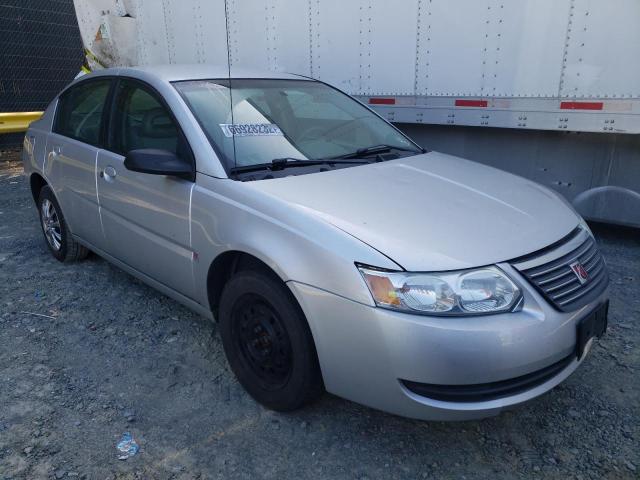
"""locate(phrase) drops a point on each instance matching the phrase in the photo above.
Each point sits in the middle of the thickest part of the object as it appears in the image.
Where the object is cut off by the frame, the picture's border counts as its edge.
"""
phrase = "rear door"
(71, 154)
(145, 217)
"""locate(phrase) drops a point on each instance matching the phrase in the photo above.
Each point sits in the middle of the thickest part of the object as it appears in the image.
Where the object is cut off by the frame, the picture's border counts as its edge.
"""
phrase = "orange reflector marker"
(581, 105)
(382, 101)
(382, 289)
(462, 102)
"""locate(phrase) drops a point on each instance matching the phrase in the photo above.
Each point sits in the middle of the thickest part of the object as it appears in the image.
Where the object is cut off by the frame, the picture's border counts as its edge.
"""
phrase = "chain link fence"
(40, 52)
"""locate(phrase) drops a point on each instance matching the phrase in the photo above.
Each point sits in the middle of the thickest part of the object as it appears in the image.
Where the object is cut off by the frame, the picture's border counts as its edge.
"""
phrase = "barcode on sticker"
(249, 129)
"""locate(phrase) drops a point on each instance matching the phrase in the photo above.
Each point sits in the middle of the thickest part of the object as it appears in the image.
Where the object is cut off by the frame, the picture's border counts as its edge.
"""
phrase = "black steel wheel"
(268, 342)
(262, 340)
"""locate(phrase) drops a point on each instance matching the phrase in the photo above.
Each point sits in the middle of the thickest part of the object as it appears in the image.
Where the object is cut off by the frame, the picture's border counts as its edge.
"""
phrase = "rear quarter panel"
(35, 143)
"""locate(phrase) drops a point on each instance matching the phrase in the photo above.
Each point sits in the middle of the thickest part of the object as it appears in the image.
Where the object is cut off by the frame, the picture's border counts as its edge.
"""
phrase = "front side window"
(80, 109)
(256, 121)
(140, 121)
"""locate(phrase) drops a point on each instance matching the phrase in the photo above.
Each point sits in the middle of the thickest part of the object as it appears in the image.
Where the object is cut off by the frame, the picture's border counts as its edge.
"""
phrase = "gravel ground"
(87, 353)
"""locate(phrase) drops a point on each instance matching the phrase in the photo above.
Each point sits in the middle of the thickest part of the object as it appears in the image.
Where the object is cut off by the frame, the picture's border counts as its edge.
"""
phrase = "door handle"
(108, 173)
(56, 150)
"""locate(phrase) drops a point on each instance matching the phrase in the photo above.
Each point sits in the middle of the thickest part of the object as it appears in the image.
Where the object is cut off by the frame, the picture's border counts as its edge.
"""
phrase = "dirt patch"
(87, 353)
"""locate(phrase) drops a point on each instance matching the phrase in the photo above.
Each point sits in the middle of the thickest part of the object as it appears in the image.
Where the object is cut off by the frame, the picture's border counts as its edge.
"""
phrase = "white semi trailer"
(549, 89)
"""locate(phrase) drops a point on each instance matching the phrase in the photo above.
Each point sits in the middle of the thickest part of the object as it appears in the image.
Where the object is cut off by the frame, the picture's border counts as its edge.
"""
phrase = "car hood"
(432, 211)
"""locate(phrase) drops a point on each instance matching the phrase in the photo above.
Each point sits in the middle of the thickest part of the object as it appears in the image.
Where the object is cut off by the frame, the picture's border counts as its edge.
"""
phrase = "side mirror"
(158, 162)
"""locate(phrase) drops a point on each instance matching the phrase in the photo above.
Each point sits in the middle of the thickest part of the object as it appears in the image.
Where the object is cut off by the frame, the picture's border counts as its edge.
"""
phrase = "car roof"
(179, 72)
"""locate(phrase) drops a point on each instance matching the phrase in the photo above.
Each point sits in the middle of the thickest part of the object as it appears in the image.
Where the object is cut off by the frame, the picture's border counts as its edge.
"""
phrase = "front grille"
(550, 273)
(482, 392)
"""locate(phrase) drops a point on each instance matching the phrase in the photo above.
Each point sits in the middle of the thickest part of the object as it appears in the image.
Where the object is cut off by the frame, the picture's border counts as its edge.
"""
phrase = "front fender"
(227, 215)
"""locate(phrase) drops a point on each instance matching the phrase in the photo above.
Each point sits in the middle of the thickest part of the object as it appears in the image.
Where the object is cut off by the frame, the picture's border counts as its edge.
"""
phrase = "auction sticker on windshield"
(249, 129)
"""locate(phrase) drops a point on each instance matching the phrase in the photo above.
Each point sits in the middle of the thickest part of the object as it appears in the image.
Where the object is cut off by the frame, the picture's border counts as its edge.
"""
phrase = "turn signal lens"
(382, 289)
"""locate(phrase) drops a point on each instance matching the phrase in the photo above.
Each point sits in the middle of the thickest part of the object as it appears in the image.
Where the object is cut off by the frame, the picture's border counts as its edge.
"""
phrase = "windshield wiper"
(287, 162)
(382, 148)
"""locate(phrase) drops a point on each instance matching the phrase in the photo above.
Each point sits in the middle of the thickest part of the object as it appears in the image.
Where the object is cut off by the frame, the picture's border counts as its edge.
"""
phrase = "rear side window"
(80, 109)
(142, 121)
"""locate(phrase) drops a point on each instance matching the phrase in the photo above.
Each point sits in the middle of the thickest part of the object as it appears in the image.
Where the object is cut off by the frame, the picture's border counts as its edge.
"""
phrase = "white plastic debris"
(127, 446)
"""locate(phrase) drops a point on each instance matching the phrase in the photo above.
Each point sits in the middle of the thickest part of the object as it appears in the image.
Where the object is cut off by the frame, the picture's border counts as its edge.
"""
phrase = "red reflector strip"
(382, 101)
(581, 105)
(471, 103)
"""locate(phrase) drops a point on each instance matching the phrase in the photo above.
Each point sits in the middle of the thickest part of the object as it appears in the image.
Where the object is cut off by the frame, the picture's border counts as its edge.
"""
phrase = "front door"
(145, 217)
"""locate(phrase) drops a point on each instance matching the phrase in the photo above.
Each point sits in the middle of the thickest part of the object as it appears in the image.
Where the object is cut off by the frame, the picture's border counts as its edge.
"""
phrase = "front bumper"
(365, 352)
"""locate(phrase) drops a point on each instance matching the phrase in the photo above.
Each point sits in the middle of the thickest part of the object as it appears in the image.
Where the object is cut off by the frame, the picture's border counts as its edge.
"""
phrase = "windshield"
(287, 119)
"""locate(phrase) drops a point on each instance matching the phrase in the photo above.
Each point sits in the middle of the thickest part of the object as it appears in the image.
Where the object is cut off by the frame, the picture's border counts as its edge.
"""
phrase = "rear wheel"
(268, 342)
(56, 232)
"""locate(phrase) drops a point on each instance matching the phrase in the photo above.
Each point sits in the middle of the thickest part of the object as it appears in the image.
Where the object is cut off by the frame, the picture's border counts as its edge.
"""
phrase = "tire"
(268, 342)
(56, 232)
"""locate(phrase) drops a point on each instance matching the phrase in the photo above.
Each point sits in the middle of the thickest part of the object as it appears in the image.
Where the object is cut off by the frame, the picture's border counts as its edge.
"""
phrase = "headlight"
(466, 292)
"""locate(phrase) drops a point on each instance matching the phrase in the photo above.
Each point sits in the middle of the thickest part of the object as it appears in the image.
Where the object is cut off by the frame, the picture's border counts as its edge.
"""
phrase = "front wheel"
(268, 342)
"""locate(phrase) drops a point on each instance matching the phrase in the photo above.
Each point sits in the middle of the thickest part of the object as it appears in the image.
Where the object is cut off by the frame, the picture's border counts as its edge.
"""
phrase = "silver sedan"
(334, 252)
